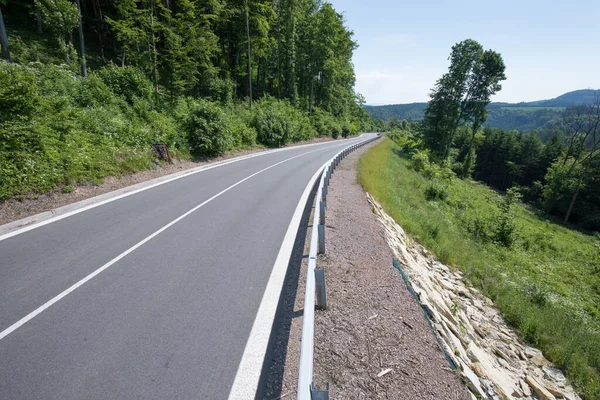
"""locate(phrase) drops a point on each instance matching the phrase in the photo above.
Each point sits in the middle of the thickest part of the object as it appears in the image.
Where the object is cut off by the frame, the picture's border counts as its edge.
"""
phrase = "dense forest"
(557, 169)
(87, 86)
(526, 116)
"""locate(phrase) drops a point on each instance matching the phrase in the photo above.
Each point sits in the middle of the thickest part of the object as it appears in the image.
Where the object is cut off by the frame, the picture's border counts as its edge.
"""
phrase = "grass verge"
(546, 284)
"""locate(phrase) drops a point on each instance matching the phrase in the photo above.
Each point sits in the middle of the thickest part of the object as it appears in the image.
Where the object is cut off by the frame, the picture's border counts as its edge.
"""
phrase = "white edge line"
(249, 370)
(58, 297)
(245, 384)
(124, 192)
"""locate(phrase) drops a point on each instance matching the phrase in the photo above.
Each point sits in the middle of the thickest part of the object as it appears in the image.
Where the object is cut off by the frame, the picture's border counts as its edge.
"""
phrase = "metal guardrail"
(306, 389)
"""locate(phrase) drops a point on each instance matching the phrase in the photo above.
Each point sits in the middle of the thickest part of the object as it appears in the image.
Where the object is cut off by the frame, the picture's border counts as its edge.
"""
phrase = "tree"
(81, 42)
(462, 95)
(60, 17)
(249, 54)
(582, 152)
(4, 39)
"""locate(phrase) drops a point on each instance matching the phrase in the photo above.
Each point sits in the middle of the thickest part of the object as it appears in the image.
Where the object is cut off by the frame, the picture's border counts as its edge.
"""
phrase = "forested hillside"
(87, 86)
(525, 116)
(555, 169)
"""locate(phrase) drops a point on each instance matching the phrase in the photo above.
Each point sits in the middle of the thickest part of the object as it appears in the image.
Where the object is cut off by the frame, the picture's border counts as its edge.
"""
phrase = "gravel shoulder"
(373, 341)
(30, 204)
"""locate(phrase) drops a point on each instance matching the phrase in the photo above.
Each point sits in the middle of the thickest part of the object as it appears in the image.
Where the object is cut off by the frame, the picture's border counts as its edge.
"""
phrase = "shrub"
(323, 123)
(436, 191)
(19, 95)
(506, 227)
(278, 123)
(419, 161)
(335, 131)
(127, 82)
(208, 129)
(345, 130)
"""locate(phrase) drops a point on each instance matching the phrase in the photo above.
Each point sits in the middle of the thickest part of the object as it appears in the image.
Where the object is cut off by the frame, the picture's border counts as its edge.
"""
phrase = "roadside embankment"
(490, 357)
(543, 282)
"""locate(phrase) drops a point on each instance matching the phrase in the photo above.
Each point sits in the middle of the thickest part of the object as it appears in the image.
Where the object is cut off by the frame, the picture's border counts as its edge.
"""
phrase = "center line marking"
(58, 297)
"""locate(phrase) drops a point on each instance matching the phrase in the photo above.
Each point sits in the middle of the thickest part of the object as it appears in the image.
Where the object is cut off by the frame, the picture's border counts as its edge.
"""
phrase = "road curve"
(153, 295)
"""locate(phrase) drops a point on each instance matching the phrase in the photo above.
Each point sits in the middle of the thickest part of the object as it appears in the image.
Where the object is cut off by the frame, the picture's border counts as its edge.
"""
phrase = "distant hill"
(523, 116)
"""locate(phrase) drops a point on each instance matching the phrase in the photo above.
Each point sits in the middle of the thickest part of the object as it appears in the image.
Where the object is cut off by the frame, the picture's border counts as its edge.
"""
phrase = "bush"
(419, 161)
(335, 131)
(62, 129)
(208, 129)
(19, 94)
(506, 227)
(240, 118)
(345, 130)
(127, 82)
(278, 123)
(405, 139)
(436, 191)
(323, 122)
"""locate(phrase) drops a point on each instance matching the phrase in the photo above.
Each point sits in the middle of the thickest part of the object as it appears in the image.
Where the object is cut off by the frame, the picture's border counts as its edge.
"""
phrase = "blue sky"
(549, 47)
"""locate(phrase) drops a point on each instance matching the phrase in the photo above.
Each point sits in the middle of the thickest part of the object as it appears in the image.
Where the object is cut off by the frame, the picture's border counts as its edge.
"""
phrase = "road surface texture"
(154, 295)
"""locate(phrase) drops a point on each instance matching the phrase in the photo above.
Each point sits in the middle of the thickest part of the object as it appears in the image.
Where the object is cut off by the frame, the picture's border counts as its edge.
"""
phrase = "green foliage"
(19, 95)
(325, 124)
(278, 123)
(129, 83)
(172, 72)
(208, 128)
(506, 227)
(545, 285)
(60, 17)
(63, 129)
(419, 161)
(461, 95)
(436, 191)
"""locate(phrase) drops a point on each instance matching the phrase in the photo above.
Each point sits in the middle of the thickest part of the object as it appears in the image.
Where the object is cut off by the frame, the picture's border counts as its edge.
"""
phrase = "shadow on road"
(271, 379)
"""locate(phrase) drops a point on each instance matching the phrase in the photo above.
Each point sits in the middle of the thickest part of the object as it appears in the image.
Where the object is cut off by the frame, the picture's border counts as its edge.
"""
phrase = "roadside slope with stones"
(491, 359)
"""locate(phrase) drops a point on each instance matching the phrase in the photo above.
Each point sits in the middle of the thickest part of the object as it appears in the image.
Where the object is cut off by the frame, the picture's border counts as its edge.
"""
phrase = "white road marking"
(247, 377)
(245, 384)
(250, 367)
(35, 225)
(57, 298)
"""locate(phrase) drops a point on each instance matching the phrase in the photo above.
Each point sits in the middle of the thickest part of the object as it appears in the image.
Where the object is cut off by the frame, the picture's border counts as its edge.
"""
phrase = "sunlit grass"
(547, 285)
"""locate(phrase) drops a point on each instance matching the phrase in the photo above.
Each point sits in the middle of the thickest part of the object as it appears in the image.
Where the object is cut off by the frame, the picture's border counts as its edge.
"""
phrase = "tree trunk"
(154, 56)
(572, 204)
(81, 42)
(291, 59)
(4, 40)
(249, 54)
(312, 93)
(98, 15)
(38, 17)
(279, 50)
(237, 62)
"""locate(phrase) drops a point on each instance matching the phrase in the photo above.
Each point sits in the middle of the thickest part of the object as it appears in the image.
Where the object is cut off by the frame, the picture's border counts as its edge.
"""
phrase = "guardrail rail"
(315, 280)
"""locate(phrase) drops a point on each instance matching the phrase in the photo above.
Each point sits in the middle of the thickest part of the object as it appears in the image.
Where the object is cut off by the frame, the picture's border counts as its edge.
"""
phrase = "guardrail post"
(322, 213)
(316, 394)
(320, 288)
(321, 234)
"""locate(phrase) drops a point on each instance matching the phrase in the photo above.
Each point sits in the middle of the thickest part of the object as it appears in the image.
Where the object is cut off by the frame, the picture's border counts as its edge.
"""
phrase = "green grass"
(546, 285)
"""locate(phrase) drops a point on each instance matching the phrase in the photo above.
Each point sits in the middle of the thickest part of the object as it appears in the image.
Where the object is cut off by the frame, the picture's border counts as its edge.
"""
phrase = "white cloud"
(392, 87)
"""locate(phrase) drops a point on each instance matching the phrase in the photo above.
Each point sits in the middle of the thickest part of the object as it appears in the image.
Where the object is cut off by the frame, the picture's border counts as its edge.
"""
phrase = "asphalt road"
(170, 319)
